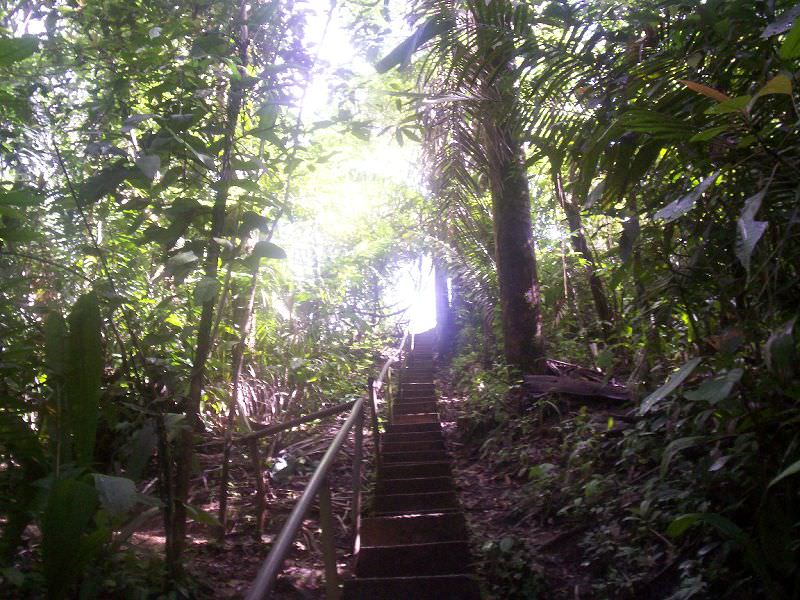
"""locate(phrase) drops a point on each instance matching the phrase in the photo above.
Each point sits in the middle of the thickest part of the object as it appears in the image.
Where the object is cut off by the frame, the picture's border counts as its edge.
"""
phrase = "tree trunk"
(520, 301)
(581, 247)
(176, 529)
(444, 316)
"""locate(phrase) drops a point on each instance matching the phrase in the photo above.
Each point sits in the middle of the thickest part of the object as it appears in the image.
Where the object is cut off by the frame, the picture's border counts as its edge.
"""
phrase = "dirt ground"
(226, 571)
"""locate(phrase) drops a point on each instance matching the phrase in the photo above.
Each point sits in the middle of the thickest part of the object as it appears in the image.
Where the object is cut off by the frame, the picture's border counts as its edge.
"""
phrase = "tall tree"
(469, 71)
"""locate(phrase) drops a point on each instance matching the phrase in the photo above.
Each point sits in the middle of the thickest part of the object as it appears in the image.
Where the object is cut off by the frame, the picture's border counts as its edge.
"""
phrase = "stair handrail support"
(318, 485)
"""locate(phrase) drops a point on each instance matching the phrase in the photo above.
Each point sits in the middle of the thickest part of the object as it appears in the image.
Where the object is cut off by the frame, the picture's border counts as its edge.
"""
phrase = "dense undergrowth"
(674, 504)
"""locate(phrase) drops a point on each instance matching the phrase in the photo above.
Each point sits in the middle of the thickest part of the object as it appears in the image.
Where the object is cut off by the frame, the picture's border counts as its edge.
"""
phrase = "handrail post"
(358, 455)
(328, 545)
(389, 391)
(376, 431)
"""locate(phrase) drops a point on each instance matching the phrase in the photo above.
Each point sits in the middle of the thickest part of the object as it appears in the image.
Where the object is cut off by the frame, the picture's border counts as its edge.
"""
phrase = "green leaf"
(715, 390)
(669, 386)
(708, 134)
(181, 259)
(748, 230)
(105, 182)
(779, 351)
(738, 104)
(140, 449)
(117, 494)
(401, 55)
(134, 121)
(206, 290)
(780, 84)
(55, 343)
(70, 506)
(683, 205)
(791, 45)
(252, 221)
(13, 50)
(150, 165)
(722, 524)
(22, 198)
(84, 371)
(268, 250)
(792, 469)
(676, 446)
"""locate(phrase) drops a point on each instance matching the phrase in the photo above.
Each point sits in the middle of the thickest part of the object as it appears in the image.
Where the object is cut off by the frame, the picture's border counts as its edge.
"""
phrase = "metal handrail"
(318, 485)
(393, 358)
(266, 430)
(268, 572)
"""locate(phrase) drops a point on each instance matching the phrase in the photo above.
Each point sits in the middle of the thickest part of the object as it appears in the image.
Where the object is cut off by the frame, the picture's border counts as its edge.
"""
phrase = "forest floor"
(226, 570)
(519, 553)
(541, 556)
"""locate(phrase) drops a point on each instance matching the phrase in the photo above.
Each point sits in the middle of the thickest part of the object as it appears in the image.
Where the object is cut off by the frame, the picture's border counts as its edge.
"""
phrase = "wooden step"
(416, 419)
(414, 456)
(413, 446)
(410, 408)
(436, 558)
(415, 485)
(441, 587)
(413, 471)
(429, 502)
(403, 530)
(413, 427)
(413, 436)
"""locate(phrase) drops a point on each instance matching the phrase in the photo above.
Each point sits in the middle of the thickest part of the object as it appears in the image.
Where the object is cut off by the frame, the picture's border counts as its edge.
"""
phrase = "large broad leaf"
(84, 370)
(252, 221)
(134, 121)
(13, 50)
(782, 23)
(70, 506)
(791, 45)
(150, 165)
(401, 55)
(55, 343)
(722, 524)
(268, 250)
(20, 198)
(140, 448)
(206, 290)
(669, 386)
(105, 182)
(781, 84)
(779, 351)
(181, 259)
(117, 494)
(715, 390)
(748, 230)
(683, 205)
(675, 447)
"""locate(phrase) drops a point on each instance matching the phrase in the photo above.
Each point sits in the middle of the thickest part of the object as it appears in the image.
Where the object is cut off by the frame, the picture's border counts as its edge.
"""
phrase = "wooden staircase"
(413, 546)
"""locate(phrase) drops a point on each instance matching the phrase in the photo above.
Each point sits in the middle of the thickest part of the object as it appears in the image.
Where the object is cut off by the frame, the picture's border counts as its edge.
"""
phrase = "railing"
(320, 486)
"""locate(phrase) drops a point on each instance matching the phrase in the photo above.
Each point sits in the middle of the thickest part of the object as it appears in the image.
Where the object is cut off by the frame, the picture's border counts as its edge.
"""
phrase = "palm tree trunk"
(520, 301)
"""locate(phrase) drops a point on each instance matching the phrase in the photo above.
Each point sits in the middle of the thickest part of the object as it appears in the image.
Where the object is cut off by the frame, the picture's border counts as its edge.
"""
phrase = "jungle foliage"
(149, 151)
(642, 155)
(661, 144)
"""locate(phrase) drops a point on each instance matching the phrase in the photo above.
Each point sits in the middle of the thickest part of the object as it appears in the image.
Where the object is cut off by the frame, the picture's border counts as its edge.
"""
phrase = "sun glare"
(414, 289)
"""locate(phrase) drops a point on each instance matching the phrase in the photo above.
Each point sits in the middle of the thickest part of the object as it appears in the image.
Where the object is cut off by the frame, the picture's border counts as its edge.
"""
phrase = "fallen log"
(548, 384)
